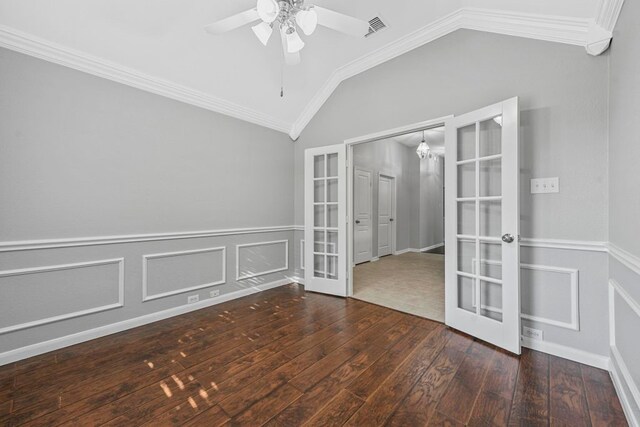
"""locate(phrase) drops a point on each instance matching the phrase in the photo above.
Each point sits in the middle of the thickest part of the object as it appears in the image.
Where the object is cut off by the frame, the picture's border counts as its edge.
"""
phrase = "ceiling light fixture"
(294, 42)
(268, 10)
(423, 149)
(307, 20)
(263, 32)
(286, 14)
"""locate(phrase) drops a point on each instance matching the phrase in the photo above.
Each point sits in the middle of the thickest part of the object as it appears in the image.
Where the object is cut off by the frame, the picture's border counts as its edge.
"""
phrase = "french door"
(325, 251)
(482, 279)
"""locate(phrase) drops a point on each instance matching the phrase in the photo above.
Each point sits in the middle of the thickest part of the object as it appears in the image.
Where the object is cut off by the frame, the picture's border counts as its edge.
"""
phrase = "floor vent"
(375, 25)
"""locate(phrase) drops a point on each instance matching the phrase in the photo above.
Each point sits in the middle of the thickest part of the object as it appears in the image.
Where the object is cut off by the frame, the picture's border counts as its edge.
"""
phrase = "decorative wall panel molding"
(145, 272)
(101, 331)
(572, 273)
(574, 324)
(619, 368)
(272, 268)
(26, 245)
(52, 268)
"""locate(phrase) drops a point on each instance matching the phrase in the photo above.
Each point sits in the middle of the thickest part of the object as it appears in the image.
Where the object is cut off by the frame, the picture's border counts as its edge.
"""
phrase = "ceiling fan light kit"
(263, 32)
(290, 15)
(268, 10)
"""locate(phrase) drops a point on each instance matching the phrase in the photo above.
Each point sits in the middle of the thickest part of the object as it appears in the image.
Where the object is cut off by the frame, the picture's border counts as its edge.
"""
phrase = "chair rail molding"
(626, 258)
(66, 316)
(145, 270)
(26, 245)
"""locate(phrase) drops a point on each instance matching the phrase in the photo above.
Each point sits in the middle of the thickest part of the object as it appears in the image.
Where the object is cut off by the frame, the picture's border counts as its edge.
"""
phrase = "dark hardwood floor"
(287, 358)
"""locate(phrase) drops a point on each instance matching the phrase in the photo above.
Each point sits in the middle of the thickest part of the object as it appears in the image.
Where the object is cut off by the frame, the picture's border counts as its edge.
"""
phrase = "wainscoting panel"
(550, 295)
(624, 324)
(49, 300)
(173, 273)
(261, 258)
(40, 295)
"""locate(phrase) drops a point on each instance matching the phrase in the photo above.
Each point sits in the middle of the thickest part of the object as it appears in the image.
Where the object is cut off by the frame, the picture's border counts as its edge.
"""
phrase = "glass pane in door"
(479, 217)
(491, 137)
(467, 142)
(325, 200)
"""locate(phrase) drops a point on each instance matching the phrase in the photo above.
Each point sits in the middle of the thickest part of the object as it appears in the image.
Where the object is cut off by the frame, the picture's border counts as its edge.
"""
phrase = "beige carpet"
(412, 283)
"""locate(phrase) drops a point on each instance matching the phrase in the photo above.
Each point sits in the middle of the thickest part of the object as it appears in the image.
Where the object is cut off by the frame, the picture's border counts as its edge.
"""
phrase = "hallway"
(412, 283)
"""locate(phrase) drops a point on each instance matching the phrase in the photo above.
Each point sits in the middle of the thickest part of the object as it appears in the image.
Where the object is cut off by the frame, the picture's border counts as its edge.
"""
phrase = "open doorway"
(398, 221)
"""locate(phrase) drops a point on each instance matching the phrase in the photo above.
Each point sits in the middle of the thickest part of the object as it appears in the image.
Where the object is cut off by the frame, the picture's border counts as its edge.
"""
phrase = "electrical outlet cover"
(193, 299)
(214, 293)
(534, 334)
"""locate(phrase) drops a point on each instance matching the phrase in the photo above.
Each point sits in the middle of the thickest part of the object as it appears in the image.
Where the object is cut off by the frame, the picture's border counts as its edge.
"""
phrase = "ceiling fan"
(288, 16)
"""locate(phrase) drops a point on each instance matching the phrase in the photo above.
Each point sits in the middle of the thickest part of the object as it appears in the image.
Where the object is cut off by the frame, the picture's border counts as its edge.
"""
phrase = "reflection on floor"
(412, 283)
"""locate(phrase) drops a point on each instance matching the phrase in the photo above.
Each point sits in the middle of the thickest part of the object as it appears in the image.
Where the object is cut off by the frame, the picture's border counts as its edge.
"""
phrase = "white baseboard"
(79, 337)
(404, 251)
(429, 248)
(296, 279)
(374, 259)
(580, 356)
(625, 388)
(416, 250)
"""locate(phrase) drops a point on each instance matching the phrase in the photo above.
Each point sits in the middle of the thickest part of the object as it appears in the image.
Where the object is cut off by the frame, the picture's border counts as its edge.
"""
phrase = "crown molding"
(608, 14)
(594, 35)
(559, 29)
(601, 30)
(28, 44)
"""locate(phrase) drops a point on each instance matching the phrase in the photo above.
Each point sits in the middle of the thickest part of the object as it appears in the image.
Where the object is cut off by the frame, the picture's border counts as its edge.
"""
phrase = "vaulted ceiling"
(160, 45)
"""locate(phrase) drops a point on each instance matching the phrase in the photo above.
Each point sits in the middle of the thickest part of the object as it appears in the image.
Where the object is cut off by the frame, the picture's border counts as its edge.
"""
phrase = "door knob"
(507, 238)
(391, 219)
(357, 221)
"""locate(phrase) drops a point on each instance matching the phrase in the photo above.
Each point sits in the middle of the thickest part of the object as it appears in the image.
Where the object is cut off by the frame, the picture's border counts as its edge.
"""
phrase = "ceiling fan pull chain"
(282, 80)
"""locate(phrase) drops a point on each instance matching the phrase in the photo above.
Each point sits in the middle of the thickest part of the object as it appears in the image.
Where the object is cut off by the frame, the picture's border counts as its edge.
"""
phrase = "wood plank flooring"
(288, 358)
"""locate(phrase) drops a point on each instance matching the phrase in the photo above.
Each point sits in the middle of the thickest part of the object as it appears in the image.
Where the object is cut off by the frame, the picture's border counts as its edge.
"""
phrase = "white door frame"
(350, 143)
(370, 208)
(394, 211)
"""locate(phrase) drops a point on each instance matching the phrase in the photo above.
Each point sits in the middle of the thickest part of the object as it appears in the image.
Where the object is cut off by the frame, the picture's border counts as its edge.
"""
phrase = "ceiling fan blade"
(233, 22)
(342, 23)
(289, 58)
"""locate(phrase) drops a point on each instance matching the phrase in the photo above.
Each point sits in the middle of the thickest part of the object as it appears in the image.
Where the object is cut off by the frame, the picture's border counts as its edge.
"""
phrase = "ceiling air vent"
(375, 25)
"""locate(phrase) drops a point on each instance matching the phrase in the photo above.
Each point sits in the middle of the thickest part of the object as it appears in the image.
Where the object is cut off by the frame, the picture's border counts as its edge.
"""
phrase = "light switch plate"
(545, 185)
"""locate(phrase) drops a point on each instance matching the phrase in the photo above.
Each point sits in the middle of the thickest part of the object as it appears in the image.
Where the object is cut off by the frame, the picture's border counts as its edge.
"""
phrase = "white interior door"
(482, 281)
(325, 220)
(362, 215)
(386, 189)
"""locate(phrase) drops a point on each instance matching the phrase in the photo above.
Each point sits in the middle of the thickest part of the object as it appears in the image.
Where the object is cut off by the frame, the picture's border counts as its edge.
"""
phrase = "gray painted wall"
(624, 188)
(82, 156)
(431, 203)
(563, 104)
(624, 139)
